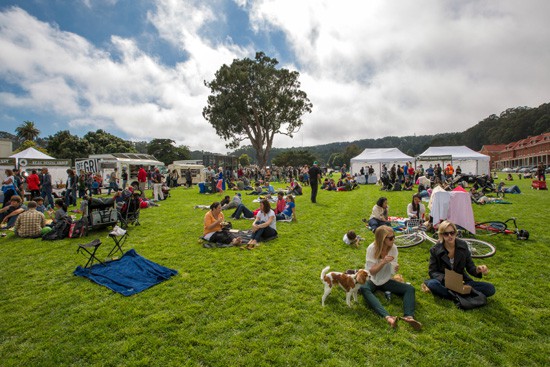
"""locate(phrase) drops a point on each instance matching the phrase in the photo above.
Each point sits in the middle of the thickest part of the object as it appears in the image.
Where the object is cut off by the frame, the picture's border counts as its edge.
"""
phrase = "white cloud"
(381, 68)
(370, 68)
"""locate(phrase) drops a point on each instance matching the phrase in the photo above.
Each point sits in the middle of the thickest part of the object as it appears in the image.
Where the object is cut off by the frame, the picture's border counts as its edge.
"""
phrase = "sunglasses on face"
(452, 233)
(391, 238)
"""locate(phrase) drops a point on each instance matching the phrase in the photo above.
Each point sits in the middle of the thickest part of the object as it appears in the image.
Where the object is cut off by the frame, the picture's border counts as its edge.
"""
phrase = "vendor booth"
(376, 158)
(471, 162)
(30, 159)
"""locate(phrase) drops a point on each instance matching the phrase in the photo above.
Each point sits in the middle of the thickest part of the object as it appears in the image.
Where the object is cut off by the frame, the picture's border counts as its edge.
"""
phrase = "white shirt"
(261, 216)
(387, 270)
(412, 213)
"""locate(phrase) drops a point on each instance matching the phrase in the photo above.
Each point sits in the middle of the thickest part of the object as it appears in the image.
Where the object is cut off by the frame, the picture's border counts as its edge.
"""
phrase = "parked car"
(508, 170)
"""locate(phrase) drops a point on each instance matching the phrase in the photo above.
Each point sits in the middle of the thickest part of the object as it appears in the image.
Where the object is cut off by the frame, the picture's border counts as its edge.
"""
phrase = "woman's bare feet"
(392, 321)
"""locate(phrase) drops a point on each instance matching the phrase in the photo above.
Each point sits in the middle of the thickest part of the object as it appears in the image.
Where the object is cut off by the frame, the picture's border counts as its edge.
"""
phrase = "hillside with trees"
(511, 125)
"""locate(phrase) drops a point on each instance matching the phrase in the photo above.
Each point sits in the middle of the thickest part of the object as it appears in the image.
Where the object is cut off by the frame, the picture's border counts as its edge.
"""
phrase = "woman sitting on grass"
(452, 253)
(416, 210)
(60, 211)
(213, 227)
(379, 215)
(264, 226)
(382, 264)
(289, 211)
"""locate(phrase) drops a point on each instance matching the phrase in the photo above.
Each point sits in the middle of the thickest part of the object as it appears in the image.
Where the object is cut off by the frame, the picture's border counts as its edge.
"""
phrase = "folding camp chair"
(119, 237)
(90, 248)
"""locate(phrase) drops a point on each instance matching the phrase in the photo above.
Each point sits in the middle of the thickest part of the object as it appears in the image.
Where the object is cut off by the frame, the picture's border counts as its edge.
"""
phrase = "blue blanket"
(129, 275)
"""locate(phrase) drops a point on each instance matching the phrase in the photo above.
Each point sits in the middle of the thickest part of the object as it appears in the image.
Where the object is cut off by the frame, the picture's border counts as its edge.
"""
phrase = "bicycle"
(416, 234)
(496, 227)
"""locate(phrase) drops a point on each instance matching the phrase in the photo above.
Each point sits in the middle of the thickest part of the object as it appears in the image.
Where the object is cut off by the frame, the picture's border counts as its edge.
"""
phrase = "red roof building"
(526, 152)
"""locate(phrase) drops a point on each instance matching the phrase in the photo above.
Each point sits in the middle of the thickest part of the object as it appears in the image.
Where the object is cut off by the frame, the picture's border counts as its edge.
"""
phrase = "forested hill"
(511, 125)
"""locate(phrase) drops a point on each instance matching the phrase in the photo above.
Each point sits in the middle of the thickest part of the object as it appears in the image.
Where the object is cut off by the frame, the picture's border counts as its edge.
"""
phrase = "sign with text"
(7, 162)
(46, 162)
(87, 165)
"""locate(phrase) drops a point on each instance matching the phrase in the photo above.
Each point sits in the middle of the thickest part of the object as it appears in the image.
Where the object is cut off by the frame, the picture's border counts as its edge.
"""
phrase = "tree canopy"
(27, 131)
(103, 143)
(294, 158)
(251, 99)
(165, 151)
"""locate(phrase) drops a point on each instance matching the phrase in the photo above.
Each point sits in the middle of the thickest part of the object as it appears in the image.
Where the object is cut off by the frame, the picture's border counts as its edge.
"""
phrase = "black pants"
(222, 237)
(314, 188)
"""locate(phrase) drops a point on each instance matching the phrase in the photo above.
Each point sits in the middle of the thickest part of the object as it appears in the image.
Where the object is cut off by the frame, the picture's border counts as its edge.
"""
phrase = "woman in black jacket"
(453, 253)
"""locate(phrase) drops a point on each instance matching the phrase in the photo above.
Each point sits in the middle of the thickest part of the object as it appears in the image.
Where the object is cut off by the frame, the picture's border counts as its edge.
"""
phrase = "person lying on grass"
(213, 227)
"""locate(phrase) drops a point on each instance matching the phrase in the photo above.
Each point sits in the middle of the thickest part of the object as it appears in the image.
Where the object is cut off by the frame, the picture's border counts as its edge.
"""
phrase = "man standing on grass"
(314, 178)
(142, 179)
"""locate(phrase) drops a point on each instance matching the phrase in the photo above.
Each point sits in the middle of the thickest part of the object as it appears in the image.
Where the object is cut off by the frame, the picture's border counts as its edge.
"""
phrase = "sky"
(371, 68)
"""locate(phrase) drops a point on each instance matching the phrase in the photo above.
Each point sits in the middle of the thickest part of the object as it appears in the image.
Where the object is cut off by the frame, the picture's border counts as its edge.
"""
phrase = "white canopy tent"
(32, 159)
(470, 161)
(376, 158)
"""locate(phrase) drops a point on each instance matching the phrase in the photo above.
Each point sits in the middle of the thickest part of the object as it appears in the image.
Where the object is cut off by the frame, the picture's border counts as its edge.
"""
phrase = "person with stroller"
(452, 253)
(379, 215)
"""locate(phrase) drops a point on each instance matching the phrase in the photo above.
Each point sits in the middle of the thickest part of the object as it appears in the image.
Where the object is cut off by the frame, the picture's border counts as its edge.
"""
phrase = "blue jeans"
(264, 233)
(438, 289)
(47, 196)
(401, 289)
(512, 190)
(375, 223)
(241, 209)
(112, 186)
(70, 197)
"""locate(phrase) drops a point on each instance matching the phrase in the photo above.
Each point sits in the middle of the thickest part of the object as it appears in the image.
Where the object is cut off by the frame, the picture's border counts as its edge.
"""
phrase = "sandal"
(411, 321)
(392, 321)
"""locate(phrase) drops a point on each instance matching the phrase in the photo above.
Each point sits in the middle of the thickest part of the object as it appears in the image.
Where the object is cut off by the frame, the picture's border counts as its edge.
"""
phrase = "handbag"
(469, 301)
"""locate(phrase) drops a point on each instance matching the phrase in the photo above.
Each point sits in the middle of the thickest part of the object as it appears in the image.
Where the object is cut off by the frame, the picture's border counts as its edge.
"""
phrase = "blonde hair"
(442, 227)
(379, 236)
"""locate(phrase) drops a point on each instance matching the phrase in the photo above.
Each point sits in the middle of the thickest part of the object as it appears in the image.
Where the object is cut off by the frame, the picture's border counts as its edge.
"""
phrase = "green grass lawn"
(229, 307)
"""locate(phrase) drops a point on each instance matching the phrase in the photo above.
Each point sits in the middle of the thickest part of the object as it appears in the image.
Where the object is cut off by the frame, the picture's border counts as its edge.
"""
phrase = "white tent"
(30, 153)
(471, 162)
(376, 158)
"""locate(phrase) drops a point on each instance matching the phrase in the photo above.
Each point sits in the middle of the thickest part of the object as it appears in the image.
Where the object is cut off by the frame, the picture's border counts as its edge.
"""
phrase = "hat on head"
(315, 163)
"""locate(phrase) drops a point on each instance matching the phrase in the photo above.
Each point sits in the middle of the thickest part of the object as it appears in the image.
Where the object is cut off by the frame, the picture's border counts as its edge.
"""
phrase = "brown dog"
(348, 282)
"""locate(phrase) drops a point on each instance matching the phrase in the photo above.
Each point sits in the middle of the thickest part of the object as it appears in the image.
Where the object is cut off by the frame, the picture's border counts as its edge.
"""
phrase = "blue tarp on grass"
(129, 275)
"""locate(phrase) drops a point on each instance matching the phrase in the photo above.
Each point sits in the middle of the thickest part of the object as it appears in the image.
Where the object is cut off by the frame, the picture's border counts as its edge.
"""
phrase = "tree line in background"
(511, 125)
(65, 145)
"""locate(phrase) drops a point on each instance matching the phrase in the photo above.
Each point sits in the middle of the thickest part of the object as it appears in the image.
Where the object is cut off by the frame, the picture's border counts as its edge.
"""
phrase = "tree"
(350, 152)
(104, 143)
(30, 144)
(244, 160)
(165, 151)
(140, 146)
(251, 99)
(65, 145)
(27, 131)
(294, 158)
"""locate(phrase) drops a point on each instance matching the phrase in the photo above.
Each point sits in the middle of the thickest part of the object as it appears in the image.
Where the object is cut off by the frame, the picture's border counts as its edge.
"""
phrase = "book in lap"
(454, 281)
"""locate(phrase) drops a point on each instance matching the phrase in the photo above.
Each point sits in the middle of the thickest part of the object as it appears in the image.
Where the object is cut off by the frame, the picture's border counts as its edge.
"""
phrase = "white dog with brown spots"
(348, 282)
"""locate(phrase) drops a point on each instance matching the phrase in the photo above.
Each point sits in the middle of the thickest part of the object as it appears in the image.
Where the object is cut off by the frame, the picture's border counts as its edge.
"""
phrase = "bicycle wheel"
(408, 240)
(491, 227)
(480, 249)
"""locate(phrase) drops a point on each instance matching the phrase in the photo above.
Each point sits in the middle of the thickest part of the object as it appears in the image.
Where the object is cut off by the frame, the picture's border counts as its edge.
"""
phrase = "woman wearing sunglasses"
(382, 264)
(453, 253)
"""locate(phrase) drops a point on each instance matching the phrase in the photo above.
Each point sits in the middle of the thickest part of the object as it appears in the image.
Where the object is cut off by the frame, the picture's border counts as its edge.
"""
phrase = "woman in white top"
(264, 225)
(416, 210)
(382, 265)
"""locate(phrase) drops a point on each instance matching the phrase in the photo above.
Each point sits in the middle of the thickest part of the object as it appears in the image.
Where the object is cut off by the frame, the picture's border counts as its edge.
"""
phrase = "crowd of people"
(381, 255)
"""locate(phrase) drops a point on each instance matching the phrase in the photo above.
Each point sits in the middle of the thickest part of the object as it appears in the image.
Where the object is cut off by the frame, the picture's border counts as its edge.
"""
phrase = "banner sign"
(87, 165)
(7, 162)
(28, 162)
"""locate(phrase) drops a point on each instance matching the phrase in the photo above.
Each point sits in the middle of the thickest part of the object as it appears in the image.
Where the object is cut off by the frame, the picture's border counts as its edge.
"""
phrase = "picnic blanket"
(245, 236)
(127, 276)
